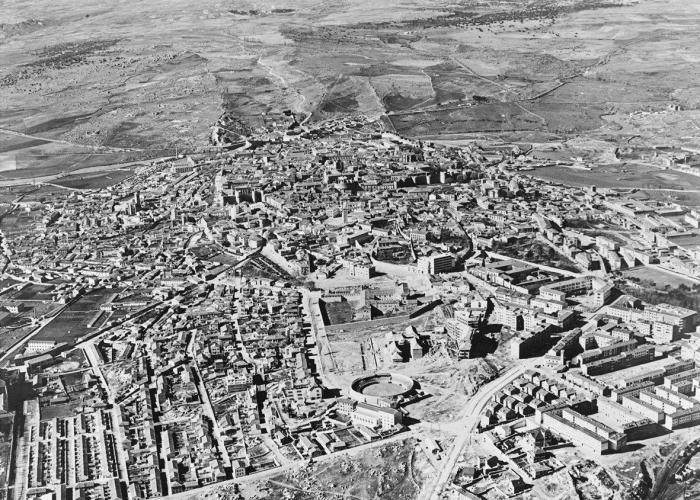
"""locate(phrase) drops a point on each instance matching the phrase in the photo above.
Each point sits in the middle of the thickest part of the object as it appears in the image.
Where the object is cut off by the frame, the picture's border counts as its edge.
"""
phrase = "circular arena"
(382, 389)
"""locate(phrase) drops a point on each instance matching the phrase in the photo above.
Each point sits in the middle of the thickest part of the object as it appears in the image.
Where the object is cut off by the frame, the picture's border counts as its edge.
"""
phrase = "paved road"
(318, 330)
(469, 418)
(92, 356)
(206, 404)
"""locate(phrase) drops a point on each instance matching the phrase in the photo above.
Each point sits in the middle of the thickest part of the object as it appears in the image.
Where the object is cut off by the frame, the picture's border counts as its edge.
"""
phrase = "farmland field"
(98, 181)
(509, 70)
(627, 176)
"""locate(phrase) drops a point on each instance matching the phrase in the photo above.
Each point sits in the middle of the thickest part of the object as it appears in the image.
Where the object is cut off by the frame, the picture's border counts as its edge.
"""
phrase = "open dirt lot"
(623, 175)
(396, 470)
(659, 277)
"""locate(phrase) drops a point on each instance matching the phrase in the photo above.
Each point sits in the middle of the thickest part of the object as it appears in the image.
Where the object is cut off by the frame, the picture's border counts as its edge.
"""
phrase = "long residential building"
(583, 431)
(627, 359)
(648, 410)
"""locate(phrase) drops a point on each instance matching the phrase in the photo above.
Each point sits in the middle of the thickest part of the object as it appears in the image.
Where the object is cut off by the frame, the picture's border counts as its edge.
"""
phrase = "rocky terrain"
(141, 79)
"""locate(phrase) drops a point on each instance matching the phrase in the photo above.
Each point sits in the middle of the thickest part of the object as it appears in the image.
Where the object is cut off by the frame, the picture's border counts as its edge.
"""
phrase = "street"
(469, 418)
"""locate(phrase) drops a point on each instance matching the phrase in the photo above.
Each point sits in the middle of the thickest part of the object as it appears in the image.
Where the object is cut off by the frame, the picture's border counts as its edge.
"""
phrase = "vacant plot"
(259, 266)
(72, 322)
(34, 293)
(438, 408)
(660, 278)
(623, 175)
(98, 181)
(60, 411)
(338, 312)
(392, 470)
(535, 251)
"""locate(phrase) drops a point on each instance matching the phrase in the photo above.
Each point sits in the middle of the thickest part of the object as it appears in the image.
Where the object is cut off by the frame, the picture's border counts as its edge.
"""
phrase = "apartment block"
(683, 418)
(587, 383)
(375, 417)
(645, 409)
(605, 351)
(655, 376)
(564, 349)
(631, 390)
(582, 431)
(635, 357)
(684, 401)
(617, 412)
(678, 377)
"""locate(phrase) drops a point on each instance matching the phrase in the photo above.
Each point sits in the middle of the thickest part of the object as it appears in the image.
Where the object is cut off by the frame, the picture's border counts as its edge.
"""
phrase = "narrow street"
(92, 356)
(208, 408)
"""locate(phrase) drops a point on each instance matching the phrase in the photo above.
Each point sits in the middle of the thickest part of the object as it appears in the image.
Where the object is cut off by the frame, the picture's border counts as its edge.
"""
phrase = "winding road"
(470, 417)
